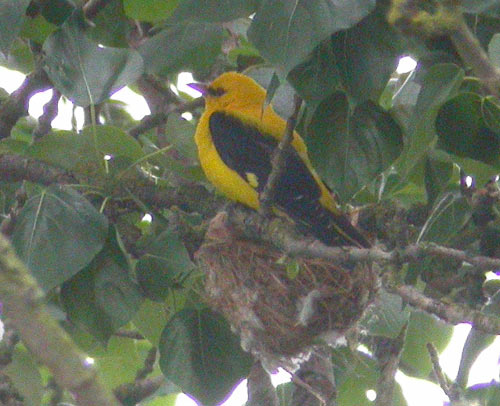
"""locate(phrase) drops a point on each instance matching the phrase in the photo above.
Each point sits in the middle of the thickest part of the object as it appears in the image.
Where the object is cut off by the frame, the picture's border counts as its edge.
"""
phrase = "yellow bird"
(236, 137)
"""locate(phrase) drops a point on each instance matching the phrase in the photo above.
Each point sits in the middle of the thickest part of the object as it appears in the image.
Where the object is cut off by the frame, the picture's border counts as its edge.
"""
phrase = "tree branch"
(451, 390)
(16, 106)
(50, 111)
(451, 313)
(133, 393)
(388, 356)
(282, 234)
(473, 55)
(24, 306)
(14, 168)
(278, 161)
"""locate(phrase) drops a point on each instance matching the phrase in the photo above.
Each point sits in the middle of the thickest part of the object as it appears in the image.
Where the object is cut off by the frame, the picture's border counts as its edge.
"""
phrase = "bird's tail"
(333, 229)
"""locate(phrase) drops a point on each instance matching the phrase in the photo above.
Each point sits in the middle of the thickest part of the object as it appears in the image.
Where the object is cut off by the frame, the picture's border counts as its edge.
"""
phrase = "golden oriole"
(236, 138)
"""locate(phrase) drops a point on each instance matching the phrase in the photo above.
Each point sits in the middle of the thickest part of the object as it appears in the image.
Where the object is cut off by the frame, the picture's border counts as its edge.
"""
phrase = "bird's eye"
(216, 92)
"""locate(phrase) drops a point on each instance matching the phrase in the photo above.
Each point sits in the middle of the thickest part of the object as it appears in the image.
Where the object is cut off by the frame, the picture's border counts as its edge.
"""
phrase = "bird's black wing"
(247, 151)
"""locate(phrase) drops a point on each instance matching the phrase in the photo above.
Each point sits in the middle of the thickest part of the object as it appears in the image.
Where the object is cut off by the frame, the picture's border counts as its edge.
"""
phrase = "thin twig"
(451, 313)
(473, 54)
(157, 119)
(135, 335)
(133, 393)
(450, 389)
(279, 161)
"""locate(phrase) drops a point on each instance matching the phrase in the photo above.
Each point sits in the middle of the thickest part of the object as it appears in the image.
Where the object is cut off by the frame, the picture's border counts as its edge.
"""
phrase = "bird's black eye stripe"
(215, 92)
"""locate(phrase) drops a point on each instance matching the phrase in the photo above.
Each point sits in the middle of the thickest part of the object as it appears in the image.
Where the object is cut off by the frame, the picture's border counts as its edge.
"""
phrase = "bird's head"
(231, 89)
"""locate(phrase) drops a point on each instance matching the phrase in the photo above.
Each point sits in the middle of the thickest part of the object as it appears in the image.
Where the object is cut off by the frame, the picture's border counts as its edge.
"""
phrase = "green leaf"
(57, 233)
(24, 374)
(20, 57)
(317, 77)
(83, 71)
(214, 10)
(350, 150)
(116, 293)
(150, 320)
(491, 113)
(102, 297)
(463, 131)
(366, 55)
(476, 342)
(85, 152)
(494, 50)
(11, 21)
(438, 171)
(422, 329)
(486, 394)
(283, 97)
(199, 353)
(120, 363)
(57, 11)
(191, 46)
(164, 266)
(448, 215)
(438, 85)
(355, 374)
(116, 34)
(37, 29)
(149, 10)
(387, 317)
(286, 32)
(179, 133)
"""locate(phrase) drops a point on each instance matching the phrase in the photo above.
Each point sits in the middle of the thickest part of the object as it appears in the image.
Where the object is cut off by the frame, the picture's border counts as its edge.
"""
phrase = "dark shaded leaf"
(11, 21)
(355, 374)
(82, 70)
(102, 297)
(214, 10)
(350, 150)
(387, 317)
(84, 152)
(438, 85)
(286, 32)
(164, 266)
(116, 34)
(422, 329)
(462, 129)
(191, 46)
(450, 213)
(199, 353)
(57, 11)
(438, 171)
(366, 55)
(57, 233)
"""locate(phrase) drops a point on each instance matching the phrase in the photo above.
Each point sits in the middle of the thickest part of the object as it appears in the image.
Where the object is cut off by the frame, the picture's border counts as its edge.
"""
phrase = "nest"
(277, 315)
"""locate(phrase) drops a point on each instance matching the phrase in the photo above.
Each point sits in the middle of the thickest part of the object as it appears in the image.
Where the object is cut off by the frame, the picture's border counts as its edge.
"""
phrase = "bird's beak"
(200, 87)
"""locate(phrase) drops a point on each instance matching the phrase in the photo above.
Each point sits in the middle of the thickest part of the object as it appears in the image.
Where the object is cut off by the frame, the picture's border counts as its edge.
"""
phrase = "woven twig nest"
(278, 316)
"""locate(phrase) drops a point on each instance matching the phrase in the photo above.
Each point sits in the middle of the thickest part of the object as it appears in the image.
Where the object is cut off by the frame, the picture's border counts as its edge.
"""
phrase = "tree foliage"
(417, 152)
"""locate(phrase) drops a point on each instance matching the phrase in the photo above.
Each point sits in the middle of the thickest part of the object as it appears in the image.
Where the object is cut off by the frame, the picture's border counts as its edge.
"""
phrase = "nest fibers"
(279, 316)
